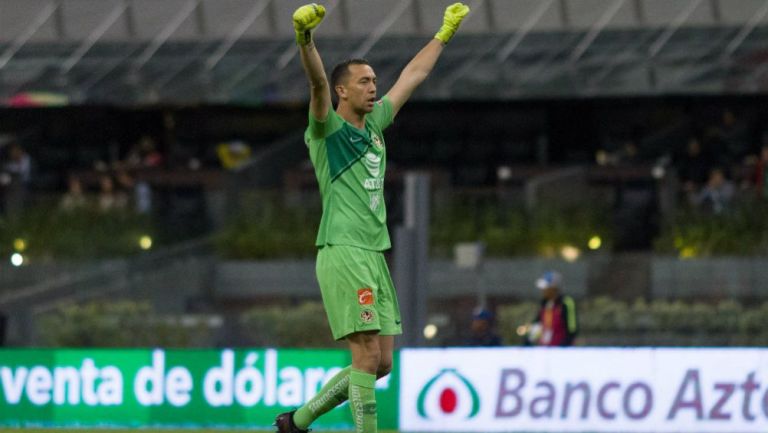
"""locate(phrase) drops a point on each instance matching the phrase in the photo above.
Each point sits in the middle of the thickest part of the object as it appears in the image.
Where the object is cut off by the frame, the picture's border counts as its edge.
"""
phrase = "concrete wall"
(668, 277)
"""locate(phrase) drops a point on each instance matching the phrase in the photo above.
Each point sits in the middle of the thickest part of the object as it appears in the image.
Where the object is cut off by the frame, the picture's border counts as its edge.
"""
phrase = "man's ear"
(341, 92)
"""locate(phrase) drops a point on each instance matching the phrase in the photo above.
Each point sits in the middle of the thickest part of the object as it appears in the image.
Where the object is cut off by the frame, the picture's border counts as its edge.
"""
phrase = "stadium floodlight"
(570, 253)
(145, 242)
(595, 242)
(430, 331)
(19, 245)
(17, 259)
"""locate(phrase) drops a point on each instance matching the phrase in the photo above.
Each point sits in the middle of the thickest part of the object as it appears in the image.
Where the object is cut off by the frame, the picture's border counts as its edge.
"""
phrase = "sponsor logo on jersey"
(373, 183)
(372, 164)
(365, 296)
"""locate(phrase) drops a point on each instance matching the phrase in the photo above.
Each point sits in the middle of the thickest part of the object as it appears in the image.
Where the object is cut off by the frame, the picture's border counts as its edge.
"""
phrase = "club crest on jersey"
(366, 316)
(365, 296)
(376, 141)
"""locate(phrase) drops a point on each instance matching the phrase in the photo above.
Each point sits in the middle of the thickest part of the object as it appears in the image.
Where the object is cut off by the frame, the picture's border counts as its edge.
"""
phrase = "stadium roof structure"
(133, 52)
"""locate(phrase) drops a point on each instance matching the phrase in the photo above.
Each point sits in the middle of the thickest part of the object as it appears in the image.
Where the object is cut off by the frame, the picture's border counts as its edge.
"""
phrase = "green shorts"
(357, 291)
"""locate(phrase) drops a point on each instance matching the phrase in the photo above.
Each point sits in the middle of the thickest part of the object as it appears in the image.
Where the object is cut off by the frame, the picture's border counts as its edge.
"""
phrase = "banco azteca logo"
(448, 395)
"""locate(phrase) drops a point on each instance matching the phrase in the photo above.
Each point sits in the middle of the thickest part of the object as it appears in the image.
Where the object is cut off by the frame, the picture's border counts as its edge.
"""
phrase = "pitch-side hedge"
(604, 322)
(607, 322)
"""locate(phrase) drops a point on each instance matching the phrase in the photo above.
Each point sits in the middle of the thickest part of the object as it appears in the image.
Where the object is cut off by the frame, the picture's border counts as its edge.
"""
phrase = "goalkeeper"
(347, 149)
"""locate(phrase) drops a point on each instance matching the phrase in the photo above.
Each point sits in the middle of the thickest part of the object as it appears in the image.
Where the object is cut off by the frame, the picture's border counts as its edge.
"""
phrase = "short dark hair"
(341, 71)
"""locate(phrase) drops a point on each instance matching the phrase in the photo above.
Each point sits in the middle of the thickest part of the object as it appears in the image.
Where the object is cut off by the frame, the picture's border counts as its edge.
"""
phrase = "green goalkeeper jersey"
(349, 165)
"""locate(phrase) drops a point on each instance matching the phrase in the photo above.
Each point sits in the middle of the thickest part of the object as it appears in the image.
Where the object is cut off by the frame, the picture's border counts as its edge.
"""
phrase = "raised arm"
(417, 70)
(305, 19)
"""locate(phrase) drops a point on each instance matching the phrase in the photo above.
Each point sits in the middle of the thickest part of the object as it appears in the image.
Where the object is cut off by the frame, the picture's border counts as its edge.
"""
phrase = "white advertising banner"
(584, 390)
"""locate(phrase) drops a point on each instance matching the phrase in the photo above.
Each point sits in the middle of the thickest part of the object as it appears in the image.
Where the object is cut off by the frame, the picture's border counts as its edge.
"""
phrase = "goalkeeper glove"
(454, 14)
(305, 19)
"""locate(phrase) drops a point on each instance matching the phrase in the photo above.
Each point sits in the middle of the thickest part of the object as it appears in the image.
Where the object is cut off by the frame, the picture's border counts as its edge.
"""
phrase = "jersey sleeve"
(382, 113)
(320, 129)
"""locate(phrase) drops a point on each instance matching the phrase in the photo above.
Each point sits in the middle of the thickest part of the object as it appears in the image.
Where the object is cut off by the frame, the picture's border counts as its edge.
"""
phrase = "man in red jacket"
(555, 322)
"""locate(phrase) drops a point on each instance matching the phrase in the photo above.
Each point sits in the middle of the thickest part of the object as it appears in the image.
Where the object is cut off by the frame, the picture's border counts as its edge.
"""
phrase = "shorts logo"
(365, 296)
(366, 316)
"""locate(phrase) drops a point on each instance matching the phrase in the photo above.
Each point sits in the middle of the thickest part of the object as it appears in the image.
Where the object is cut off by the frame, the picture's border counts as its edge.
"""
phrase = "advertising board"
(577, 390)
(228, 388)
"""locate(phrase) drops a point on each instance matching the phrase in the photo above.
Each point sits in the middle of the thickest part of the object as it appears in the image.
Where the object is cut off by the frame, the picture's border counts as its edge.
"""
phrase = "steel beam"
(94, 37)
(40, 19)
(167, 32)
(595, 30)
(522, 32)
(382, 28)
(745, 31)
(236, 34)
(673, 27)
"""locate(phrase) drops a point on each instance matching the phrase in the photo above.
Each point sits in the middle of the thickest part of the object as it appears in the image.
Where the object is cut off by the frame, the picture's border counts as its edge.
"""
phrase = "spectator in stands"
(693, 167)
(74, 198)
(482, 330)
(138, 191)
(555, 323)
(629, 153)
(110, 198)
(731, 138)
(17, 175)
(717, 194)
(760, 176)
(144, 154)
(233, 154)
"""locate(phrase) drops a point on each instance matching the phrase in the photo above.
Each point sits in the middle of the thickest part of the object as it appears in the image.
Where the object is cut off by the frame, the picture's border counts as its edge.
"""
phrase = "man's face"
(550, 293)
(480, 326)
(694, 147)
(716, 178)
(359, 90)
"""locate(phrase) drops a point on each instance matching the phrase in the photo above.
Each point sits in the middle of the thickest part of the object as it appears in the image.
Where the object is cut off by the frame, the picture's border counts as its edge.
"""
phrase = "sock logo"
(448, 395)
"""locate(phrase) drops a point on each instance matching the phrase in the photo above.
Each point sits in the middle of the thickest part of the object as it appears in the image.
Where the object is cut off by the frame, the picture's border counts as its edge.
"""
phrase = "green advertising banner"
(156, 387)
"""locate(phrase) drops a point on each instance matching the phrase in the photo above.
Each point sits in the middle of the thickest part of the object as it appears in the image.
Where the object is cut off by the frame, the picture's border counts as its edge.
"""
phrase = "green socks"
(330, 395)
(356, 385)
(362, 401)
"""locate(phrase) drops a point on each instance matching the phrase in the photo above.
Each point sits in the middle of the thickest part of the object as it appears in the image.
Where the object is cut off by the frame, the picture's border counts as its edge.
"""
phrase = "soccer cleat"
(284, 423)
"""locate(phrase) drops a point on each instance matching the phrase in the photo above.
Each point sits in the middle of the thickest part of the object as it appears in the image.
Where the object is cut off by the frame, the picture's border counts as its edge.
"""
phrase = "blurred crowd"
(117, 183)
(117, 188)
(715, 164)
(717, 159)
